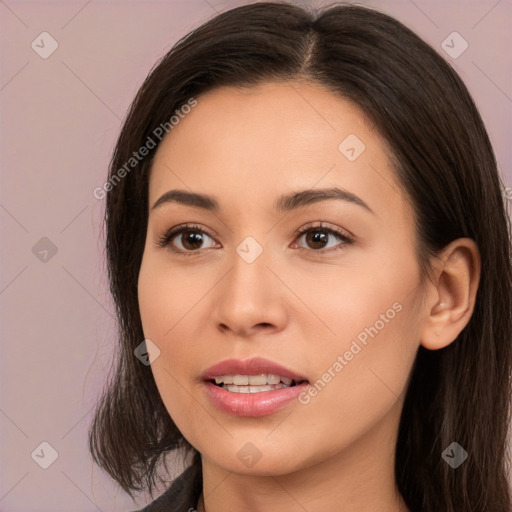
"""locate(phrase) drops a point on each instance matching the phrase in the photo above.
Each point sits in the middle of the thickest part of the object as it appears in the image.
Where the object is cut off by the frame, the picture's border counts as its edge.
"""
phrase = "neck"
(359, 477)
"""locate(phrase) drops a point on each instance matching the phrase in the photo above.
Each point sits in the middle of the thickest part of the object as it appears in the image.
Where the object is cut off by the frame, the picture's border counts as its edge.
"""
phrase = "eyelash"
(167, 237)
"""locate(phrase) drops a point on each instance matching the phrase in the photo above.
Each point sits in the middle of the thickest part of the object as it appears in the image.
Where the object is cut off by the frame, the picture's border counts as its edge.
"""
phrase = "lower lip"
(253, 404)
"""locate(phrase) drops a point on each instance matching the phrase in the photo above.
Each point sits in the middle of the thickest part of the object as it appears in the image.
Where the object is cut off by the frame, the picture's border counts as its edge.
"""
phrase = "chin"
(245, 457)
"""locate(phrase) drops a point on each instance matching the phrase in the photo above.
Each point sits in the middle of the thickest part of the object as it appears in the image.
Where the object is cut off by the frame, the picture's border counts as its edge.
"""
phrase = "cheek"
(168, 307)
(358, 385)
(372, 304)
(167, 296)
(365, 361)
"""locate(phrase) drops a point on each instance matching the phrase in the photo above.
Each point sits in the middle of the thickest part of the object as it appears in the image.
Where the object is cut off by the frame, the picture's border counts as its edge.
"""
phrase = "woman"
(314, 312)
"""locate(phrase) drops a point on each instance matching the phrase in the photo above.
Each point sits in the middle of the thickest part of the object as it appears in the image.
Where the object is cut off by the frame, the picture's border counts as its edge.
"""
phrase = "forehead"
(287, 118)
(271, 139)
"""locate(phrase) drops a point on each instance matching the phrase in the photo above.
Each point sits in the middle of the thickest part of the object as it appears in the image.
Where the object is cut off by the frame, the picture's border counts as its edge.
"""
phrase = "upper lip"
(254, 366)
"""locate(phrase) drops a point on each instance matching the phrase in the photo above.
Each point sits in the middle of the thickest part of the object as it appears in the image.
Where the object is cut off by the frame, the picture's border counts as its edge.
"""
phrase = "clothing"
(177, 497)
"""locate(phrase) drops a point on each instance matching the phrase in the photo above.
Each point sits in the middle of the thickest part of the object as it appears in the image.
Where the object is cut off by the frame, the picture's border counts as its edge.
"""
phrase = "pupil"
(191, 238)
(317, 237)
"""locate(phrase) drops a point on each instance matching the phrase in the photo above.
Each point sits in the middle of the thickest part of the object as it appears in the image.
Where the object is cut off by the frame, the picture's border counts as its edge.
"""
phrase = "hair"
(446, 168)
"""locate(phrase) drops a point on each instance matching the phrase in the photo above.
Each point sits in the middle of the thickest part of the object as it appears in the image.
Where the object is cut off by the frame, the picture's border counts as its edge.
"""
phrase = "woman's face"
(336, 308)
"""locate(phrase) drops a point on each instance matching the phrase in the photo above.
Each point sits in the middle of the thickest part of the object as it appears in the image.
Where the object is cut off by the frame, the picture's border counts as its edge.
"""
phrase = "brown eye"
(318, 238)
(191, 239)
(186, 239)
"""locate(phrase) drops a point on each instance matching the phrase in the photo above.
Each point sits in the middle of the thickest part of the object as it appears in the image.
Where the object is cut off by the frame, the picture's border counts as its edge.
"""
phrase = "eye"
(186, 239)
(190, 239)
(319, 237)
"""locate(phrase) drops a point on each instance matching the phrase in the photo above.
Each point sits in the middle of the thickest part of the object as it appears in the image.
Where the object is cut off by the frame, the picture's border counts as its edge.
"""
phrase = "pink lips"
(251, 404)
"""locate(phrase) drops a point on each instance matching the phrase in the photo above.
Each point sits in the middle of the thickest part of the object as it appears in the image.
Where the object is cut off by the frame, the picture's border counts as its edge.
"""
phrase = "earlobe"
(453, 294)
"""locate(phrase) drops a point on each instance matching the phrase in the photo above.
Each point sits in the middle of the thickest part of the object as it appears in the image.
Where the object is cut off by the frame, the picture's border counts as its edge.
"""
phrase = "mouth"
(252, 387)
(259, 383)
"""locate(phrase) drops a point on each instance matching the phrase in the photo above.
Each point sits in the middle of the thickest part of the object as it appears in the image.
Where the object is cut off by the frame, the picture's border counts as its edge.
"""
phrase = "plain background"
(60, 119)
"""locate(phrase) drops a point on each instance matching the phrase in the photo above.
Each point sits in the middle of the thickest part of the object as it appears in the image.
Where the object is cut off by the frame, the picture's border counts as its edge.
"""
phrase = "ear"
(451, 294)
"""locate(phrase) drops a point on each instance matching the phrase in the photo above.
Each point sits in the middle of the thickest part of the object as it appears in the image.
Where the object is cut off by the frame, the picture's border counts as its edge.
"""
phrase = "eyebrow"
(284, 203)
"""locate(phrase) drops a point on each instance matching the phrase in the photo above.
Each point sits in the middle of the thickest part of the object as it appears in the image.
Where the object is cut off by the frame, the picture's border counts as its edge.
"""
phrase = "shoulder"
(176, 497)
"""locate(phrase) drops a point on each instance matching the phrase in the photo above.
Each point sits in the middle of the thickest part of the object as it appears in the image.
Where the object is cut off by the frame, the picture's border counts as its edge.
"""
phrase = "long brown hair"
(446, 167)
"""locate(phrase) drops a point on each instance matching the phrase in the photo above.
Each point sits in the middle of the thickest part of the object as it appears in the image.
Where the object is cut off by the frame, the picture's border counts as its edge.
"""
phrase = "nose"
(250, 299)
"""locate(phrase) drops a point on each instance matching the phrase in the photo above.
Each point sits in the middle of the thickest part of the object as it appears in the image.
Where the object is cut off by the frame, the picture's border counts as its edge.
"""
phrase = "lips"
(255, 366)
(234, 386)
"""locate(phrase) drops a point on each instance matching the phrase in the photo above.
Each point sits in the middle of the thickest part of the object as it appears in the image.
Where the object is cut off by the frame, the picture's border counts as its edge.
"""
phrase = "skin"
(293, 304)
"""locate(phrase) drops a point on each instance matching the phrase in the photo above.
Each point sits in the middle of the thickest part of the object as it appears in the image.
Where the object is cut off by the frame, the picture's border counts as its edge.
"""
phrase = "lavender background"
(60, 119)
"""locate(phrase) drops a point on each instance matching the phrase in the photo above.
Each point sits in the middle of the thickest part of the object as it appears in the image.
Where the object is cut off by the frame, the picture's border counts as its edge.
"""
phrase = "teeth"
(263, 379)
(253, 389)
(226, 379)
(275, 379)
(258, 380)
(240, 380)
